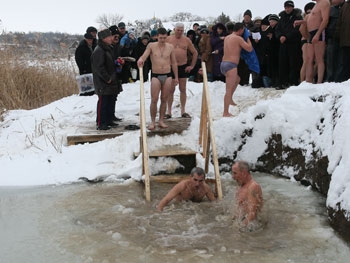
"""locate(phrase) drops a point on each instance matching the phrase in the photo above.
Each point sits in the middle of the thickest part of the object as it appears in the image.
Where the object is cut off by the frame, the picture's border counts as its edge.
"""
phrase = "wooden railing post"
(206, 129)
(143, 146)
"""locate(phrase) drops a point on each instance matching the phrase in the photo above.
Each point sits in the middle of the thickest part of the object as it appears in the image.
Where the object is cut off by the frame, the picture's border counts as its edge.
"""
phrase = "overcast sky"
(74, 16)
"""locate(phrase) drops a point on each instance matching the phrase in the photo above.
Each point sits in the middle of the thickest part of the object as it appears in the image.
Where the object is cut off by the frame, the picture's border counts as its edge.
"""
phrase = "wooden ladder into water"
(206, 141)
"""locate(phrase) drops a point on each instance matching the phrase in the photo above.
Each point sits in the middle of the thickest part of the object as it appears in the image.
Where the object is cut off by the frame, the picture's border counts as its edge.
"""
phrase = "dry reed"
(32, 83)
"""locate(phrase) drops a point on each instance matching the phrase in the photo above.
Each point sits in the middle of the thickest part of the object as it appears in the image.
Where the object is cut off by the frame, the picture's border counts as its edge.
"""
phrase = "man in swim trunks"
(182, 45)
(194, 189)
(233, 45)
(249, 199)
(316, 23)
(163, 61)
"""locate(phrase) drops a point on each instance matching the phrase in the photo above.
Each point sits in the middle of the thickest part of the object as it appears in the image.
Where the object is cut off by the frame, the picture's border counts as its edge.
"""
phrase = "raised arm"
(247, 46)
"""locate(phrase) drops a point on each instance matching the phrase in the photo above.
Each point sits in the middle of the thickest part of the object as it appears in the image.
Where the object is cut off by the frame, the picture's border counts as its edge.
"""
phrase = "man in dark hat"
(243, 70)
(106, 81)
(154, 35)
(116, 54)
(289, 3)
(273, 67)
(83, 54)
(82, 58)
(92, 31)
(290, 57)
(122, 29)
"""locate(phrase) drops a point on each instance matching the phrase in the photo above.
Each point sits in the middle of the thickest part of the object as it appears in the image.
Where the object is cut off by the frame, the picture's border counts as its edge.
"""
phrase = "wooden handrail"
(144, 146)
(206, 133)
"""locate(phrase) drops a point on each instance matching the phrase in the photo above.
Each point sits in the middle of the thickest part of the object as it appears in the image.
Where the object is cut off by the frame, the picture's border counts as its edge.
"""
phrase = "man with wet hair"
(249, 198)
(194, 188)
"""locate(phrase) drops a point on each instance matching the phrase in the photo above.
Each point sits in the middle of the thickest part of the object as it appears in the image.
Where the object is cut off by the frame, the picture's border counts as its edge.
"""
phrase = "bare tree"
(107, 20)
(223, 18)
(185, 17)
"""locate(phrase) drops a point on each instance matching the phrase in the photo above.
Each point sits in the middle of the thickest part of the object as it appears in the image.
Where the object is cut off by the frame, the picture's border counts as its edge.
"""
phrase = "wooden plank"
(211, 135)
(174, 178)
(175, 125)
(144, 146)
(169, 150)
(76, 139)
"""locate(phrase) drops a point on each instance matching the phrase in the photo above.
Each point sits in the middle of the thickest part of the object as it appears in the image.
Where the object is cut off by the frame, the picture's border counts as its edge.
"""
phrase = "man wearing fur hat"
(290, 57)
(106, 83)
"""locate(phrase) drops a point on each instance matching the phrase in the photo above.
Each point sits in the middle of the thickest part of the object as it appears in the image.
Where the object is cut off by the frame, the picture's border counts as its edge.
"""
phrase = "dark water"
(111, 222)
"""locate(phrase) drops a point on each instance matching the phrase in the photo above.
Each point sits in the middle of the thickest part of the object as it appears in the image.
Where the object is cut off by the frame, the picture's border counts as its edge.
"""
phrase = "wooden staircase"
(185, 156)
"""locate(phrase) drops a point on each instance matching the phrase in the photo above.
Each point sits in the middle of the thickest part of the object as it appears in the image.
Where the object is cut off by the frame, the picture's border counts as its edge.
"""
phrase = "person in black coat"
(290, 56)
(82, 58)
(137, 53)
(106, 82)
(217, 44)
(83, 54)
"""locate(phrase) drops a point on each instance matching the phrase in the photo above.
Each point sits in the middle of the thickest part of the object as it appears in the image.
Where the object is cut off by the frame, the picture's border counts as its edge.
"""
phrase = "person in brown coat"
(205, 52)
(107, 85)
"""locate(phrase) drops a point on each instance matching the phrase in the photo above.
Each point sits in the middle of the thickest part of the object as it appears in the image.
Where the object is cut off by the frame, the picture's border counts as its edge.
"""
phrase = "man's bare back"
(188, 192)
(233, 45)
(232, 48)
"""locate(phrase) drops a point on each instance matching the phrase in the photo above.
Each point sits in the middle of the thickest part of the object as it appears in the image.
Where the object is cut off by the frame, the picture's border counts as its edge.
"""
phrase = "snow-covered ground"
(34, 150)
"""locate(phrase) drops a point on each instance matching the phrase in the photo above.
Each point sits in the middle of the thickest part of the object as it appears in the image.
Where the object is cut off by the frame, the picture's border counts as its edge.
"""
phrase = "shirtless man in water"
(194, 188)
(249, 196)
(163, 61)
(316, 23)
(182, 45)
(233, 45)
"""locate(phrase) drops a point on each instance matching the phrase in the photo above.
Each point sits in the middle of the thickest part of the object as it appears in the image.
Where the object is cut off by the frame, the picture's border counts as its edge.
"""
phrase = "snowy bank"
(313, 119)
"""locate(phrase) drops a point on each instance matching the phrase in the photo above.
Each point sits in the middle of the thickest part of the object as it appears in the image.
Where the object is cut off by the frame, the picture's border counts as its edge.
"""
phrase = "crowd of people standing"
(295, 45)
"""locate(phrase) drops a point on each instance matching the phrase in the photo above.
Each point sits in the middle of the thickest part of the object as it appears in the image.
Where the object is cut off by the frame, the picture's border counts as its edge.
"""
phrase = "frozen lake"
(111, 222)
